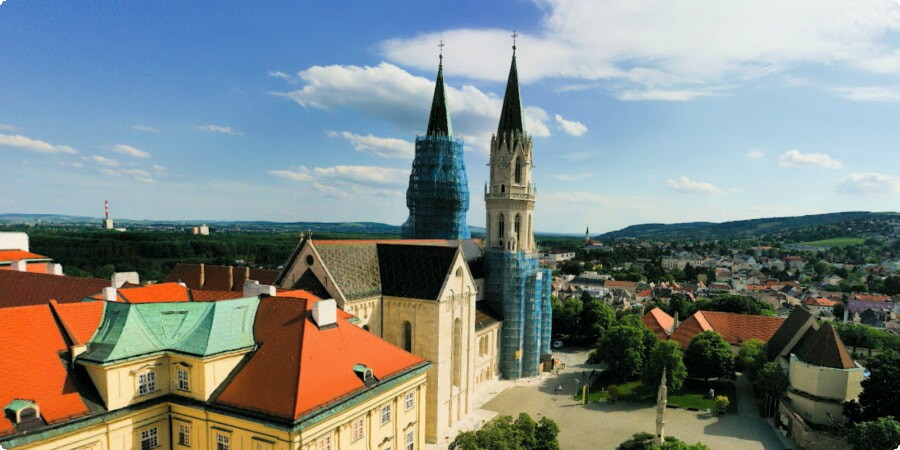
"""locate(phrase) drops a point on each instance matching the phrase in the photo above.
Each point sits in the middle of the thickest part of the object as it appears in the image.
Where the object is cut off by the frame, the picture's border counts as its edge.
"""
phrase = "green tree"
(596, 318)
(879, 434)
(751, 357)
(567, 316)
(880, 396)
(665, 355)
(504, 433)
(623, 349)
(645, 441)
(771, 379)
(708, 356)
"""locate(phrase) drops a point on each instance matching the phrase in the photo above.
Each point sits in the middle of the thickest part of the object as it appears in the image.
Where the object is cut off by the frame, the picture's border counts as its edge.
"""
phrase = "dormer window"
(365, 374)
(147, 382)
(25, 414)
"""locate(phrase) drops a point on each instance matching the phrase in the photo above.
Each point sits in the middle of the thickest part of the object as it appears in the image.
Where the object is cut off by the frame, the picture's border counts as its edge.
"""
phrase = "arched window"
(501, 226)
(518, 176)
(407, 336)
(517, 230)
(456, 343)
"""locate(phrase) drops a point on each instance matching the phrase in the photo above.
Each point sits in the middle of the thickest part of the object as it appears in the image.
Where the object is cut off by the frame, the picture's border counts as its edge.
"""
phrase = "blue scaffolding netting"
(438, 193)
(517, 287)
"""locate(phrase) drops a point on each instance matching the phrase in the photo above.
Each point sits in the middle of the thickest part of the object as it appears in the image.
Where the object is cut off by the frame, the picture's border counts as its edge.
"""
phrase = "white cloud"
(210, 128)
(684, 184)
(159, 168)
(869, 183)
(282, 75)
(33, 145)
(681, 46)
(755, 154)
(378, 146)
(570, 127)
(348, 182)
(870, 94)
(144, 128)
(7, 127)
(390, 93)
(109, 162)
(793, 158)
(668, 95)
(571, 176)
(129, 150)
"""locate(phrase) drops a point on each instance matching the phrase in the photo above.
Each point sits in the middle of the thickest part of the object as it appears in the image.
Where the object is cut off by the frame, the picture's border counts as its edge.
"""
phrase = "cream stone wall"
(487, 353)
(204, 426)
(821, 390)
(369, 311)
(118, 383)
(432, 331)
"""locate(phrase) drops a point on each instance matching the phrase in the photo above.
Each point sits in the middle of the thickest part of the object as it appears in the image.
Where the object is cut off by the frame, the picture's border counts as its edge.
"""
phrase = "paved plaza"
(605, 425)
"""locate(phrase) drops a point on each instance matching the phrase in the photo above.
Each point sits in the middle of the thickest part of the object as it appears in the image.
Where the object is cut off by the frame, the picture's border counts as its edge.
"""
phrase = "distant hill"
(257, 226)
(740, 228)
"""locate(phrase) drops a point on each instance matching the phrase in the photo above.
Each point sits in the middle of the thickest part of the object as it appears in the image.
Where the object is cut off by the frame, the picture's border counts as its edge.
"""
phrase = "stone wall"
(805, 437)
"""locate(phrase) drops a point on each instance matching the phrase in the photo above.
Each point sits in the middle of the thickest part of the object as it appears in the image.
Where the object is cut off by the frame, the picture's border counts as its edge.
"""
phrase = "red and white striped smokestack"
(106, 208)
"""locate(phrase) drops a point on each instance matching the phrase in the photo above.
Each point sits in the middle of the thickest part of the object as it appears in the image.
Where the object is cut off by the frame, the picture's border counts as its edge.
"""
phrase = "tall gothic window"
(518, 177)
(501, 226)
(517, 232)
(407, 336)
(456, 343)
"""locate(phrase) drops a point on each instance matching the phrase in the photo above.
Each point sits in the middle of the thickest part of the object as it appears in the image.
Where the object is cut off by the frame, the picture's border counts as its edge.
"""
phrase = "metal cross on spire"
(441, 50)
(514, 36)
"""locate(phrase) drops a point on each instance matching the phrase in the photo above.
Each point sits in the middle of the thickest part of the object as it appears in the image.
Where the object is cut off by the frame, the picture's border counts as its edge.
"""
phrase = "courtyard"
(604, 425)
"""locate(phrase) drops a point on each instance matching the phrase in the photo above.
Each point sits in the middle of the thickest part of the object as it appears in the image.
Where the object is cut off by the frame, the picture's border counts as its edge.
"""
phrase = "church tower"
(514, 282)
(510, 195)
(438, 193)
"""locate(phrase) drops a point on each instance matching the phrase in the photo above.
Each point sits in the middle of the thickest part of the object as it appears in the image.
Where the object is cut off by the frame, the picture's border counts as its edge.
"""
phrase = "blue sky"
(652, 111)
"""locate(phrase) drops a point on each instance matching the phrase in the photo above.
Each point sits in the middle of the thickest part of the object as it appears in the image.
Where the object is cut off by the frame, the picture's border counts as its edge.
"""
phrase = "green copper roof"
(511, 120)
(439, 120)
(194, 328)
(18, 405)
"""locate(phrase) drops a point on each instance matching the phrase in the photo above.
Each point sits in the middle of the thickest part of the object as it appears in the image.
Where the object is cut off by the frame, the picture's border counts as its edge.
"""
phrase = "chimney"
(252, 288)
(54, 269)
(120, 278)
(19, 265)
(110, 294)
(325, 313)
(202, 277)
(230, 278)
(675, 324)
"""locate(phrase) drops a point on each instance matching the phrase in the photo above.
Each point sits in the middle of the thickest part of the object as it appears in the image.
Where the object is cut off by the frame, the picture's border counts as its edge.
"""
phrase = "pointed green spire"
(439, 120)
(511, 119)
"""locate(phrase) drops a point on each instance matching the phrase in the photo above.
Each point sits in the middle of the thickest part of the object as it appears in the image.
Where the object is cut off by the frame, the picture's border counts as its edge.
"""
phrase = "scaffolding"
(517, 287)
(438, 193)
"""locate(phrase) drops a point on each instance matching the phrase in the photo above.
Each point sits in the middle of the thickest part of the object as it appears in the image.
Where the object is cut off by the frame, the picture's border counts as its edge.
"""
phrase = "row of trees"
(739, 304)
(504, 433)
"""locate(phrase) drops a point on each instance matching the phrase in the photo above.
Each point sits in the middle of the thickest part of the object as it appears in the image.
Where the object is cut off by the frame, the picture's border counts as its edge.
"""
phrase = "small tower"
(438, 193)
(107, 222)
(587, 235)
(661, 402)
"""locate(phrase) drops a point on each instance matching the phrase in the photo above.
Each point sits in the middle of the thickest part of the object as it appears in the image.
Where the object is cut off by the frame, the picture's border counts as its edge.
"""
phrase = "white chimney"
(110, 294)
(120, 278)
(252, 288)
(19, 265)
(325, 313)
(10, 240)
(54, 269)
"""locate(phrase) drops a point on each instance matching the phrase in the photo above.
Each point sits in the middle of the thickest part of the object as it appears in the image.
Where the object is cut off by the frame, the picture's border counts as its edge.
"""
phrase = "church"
(477, 309)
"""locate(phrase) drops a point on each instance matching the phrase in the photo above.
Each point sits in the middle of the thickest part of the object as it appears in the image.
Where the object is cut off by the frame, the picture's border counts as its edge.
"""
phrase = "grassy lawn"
(691, 395)
(835, 242)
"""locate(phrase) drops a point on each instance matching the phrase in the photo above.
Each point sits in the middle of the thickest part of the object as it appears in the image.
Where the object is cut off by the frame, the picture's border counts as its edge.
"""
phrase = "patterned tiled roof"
(658, 322)
(27, 288)
(30, 366)
(734, 328)
(823, 347)
(304, 368)
(414, 271)
(354, 266)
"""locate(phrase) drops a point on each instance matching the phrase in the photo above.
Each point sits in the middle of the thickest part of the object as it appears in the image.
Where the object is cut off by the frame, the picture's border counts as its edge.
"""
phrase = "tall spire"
(511, 115)
(439, 120)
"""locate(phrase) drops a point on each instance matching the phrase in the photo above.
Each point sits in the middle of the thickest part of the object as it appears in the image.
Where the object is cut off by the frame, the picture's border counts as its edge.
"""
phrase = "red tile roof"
(16, 255)
(658, 322)
(304, 368)
(870, 297)
(26, 288)
(79, 320)
(734, 328)
(31, 368)
(219, 278)
(151, 293)
(823, 302)
(620, 284)
(203, 295)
